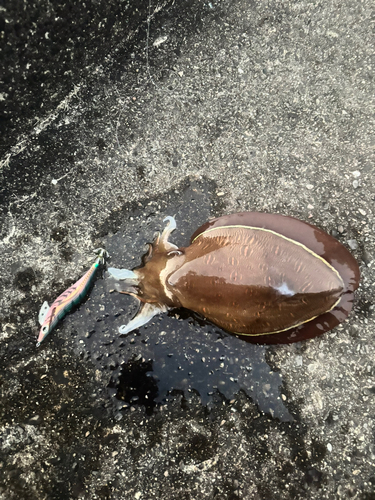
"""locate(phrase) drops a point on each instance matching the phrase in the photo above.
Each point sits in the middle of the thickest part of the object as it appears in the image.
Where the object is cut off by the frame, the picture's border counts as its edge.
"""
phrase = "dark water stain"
(314, 477)
(58, 234)
(175, 351)
(25, 279)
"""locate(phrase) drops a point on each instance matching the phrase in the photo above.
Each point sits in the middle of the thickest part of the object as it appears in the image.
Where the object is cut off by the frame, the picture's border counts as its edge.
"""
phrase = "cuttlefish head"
(147, 282)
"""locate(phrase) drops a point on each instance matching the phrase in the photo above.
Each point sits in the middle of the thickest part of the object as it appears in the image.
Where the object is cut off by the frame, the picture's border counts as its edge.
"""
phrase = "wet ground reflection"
(175, 351)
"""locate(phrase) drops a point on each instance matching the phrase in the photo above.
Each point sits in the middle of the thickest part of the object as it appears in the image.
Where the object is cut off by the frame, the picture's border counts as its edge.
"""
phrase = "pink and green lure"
(49, 316)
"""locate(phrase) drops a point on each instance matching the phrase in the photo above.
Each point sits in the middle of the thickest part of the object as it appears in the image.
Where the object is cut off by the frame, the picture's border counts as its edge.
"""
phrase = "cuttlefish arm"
(145, 314)
(129, 280)
(147, 311)
(123, 274)
(163, 243)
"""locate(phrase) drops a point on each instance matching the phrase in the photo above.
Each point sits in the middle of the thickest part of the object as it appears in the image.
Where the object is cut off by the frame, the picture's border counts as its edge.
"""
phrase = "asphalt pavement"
(115, 115)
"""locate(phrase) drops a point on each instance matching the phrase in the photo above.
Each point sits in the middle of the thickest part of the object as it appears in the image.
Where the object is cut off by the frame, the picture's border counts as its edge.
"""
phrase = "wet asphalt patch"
(177, 351)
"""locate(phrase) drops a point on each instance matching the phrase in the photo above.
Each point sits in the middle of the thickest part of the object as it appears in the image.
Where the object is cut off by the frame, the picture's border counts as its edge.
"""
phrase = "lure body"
(265, 277)
(49, 316)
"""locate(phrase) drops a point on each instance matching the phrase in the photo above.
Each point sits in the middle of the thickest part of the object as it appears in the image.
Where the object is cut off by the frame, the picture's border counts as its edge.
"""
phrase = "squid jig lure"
(49, 316)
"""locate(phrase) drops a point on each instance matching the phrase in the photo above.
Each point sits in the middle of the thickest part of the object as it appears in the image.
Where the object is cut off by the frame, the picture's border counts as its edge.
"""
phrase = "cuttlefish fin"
(147, 312)
(43, 312)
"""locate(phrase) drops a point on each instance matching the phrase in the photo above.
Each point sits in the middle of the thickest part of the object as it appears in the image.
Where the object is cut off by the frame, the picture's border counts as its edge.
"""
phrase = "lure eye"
(44, 329)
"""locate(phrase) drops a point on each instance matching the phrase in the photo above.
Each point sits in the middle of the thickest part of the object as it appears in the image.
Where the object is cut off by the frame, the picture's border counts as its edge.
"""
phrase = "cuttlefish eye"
(174, 252)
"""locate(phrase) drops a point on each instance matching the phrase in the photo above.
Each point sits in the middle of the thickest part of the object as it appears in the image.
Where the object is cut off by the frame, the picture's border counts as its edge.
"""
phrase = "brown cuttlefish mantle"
(267, 278)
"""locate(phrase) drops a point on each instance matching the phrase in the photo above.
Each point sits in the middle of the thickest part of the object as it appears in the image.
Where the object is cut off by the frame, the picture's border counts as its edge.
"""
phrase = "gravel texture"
(115, 115)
